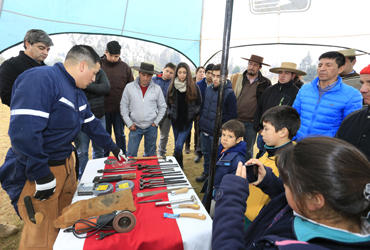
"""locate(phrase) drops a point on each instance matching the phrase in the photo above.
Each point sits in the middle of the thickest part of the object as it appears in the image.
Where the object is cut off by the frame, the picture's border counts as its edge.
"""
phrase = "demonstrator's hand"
(45, 187)
(120, 156)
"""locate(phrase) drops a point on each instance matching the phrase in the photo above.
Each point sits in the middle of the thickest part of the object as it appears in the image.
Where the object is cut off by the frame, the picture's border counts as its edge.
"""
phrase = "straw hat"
(288, 66)
(349, 52)
(146, 68)
(256, 59)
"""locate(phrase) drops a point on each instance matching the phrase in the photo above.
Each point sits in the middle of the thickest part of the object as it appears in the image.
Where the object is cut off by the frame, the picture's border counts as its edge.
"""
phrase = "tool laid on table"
(159, 170)
(142, 181)
(120, 221)
(149, 201)
(192, 199)
(116, 170)
(187, 215)
(142, 166)
(99, 179)
(191, 206)
(143, 186)
(174, 191)
(161, 175)
(164, 160)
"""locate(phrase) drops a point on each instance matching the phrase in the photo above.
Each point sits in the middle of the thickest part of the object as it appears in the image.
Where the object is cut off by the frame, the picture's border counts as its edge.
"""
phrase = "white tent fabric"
(193, 27)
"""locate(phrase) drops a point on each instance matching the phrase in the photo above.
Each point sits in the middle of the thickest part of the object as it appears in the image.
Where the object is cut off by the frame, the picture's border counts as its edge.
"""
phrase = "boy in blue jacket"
(231, 151)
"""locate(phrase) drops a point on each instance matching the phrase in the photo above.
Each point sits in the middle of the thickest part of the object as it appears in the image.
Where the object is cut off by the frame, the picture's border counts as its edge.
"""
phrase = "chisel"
(172, 191)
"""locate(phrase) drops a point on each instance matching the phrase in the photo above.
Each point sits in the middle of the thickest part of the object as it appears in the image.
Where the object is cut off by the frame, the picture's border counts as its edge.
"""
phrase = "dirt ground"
(9, 216)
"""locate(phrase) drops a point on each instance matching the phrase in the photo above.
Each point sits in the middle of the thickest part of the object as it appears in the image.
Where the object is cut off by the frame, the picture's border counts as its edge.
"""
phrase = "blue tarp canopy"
(193, 27)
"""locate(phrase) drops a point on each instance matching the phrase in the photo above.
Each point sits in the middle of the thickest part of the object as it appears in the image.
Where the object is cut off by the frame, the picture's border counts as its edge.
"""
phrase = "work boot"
(197, 158)
(7, 230)
(179, 158)
(187, 149)
(201, 178)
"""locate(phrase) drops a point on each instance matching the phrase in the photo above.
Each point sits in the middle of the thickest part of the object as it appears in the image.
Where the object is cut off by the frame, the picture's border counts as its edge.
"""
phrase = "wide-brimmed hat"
(350, 52)
(256, 59)
(146, 68)
(288, 66)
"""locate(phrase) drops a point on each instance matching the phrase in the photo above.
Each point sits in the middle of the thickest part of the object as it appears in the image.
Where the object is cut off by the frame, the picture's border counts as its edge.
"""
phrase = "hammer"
(192, 199)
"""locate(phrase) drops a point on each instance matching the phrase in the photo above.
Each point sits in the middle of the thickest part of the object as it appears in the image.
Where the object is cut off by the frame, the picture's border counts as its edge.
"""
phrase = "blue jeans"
(82, 143)
(150, 139)
(206, 142)
(249, 138)
(115, 120)
(180, 137)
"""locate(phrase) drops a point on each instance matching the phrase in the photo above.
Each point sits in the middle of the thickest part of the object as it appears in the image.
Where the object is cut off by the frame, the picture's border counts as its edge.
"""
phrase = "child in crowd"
(325, 205)
(208, 113)
(280, 125)
(231, 151)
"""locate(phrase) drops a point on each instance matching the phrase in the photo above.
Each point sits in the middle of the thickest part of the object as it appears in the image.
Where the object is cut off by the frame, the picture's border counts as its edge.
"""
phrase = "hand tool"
(192, 198)
(149, 201)
(146, 158)
(29, 207)
(120, 221)
(154, 185)
(99, 179)
(116, 170)
(142, 181)
(172, 191)
(140, 167)
(160, 170)
(164, 160)
(161, 175)
(191, 206)
(188, 215)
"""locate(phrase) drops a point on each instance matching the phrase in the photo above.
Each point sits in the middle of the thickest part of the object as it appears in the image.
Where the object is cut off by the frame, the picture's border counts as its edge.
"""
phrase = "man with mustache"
(326, 101)
(37, 45)
(248, 88)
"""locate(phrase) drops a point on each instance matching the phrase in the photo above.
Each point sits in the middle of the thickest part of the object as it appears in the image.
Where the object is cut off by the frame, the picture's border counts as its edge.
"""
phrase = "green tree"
(236, 69)
(309, 67)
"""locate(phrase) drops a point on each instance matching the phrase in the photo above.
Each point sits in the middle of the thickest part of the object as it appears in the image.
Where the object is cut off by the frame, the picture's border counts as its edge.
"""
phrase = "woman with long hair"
(325, 205)
(183, 106)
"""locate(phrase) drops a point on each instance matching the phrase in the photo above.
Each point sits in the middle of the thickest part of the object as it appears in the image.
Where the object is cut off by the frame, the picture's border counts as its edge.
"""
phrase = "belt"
(53, 163)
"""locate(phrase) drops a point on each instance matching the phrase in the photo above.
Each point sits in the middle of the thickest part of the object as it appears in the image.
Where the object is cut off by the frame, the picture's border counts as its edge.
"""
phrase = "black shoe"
(201, 178)
(179, 159)
(187, 149)
(197, 159)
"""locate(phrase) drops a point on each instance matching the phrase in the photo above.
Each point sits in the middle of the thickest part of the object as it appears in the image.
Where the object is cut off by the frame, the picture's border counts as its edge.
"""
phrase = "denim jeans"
(249, 138)
(163, 139)
(82, 143)
(115, 120)
(206, 142)
(180, 137)
(150, 139)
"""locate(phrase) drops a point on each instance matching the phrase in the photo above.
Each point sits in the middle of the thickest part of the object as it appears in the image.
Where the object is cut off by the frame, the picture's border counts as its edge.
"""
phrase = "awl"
(172, 191)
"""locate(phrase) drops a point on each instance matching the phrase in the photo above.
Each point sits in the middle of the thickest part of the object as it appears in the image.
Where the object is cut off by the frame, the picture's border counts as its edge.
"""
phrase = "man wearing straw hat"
(349, 75)
(248, 88)
(281, 93)
(142, 107)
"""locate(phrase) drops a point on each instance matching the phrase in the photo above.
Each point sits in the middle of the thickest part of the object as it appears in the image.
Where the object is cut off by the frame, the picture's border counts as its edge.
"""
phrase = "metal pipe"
(216, 133)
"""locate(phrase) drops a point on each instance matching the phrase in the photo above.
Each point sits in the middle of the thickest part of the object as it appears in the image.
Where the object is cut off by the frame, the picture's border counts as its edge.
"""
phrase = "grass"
(9, 216)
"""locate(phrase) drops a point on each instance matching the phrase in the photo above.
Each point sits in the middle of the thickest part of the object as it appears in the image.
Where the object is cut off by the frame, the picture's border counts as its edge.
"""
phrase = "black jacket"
(95, 93)
(275, 95)
(10, 70)
(355, 129)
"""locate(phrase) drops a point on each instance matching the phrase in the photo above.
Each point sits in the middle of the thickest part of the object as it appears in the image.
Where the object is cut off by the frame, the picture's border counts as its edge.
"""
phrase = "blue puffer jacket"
(324, 116)
(47, 110)
(162, 83)
(202, 86)
(209, 108)
(227, 162)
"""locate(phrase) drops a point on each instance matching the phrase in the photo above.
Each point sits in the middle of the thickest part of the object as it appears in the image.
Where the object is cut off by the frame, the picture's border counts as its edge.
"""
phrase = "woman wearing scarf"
(183, 102)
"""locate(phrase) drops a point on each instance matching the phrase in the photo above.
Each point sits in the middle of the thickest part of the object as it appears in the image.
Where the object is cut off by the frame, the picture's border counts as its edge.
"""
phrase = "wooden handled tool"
(187, 215)
(100, 179)
(191, 206)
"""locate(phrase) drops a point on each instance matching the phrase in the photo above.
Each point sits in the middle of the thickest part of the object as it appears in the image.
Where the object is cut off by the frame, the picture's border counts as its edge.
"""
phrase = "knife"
(188, 215)
(172, 191)
(29, 207)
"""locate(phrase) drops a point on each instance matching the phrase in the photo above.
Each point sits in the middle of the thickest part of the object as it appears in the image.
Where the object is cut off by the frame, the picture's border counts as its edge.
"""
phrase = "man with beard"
(248, 88)
(281, 93)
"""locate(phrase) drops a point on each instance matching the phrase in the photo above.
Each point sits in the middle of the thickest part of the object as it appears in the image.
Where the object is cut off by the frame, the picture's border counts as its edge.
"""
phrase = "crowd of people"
(307, 180)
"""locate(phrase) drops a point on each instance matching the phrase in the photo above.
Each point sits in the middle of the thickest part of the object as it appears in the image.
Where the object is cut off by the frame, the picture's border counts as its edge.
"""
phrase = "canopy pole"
(216, 132)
